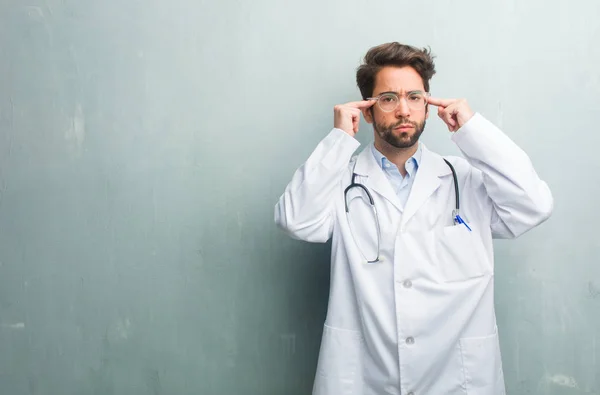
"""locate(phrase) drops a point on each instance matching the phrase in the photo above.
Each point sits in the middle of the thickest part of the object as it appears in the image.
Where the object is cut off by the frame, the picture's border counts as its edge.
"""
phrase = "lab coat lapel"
(373, 177)
(427, 181)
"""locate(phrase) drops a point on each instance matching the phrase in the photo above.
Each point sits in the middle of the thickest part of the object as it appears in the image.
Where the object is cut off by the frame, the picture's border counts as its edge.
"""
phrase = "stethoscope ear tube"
(455, 179)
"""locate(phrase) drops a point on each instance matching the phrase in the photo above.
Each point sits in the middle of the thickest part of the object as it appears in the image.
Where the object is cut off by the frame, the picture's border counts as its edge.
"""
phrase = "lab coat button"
(407, 284)
(411, 393)
(410, 340)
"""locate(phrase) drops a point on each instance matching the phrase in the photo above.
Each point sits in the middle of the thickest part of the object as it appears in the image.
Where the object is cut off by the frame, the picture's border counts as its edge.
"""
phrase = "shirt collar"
(382, 160)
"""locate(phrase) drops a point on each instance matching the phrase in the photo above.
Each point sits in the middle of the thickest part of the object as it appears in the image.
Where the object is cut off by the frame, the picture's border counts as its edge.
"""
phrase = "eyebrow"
(396, 93)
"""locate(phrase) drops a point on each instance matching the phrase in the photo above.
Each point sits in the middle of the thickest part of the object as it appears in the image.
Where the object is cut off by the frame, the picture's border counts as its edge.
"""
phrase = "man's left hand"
(454, 112)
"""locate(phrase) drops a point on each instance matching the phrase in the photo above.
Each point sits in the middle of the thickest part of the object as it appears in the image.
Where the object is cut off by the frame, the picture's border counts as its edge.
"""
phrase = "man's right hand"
(347, 116)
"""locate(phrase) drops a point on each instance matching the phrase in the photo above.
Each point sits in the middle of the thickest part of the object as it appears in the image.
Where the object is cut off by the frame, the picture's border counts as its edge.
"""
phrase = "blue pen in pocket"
(458, 219)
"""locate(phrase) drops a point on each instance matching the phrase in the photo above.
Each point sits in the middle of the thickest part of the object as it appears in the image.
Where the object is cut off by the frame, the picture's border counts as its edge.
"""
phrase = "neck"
(397, 156)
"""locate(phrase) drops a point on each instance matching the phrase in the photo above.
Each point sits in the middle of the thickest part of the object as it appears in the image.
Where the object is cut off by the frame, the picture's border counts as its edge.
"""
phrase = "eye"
(416, 97)
(388, 99)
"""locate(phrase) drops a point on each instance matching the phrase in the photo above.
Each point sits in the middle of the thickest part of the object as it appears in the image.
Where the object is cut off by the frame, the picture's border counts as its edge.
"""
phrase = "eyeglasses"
(389, 101)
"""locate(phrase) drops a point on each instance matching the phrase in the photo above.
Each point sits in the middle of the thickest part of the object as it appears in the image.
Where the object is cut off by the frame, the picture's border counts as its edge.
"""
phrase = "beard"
(404, 139)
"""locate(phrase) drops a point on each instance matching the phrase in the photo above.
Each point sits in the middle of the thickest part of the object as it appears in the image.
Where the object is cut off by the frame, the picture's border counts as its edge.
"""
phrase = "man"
(411, 305)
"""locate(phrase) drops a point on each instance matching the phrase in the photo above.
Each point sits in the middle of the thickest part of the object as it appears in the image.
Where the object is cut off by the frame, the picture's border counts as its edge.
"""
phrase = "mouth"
(404, 127)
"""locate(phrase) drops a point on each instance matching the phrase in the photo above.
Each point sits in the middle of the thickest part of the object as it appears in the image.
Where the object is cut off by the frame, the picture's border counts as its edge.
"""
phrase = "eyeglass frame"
(425, 96)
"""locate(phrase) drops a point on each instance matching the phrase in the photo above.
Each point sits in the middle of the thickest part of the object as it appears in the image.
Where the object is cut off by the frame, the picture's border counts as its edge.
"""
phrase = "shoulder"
(460, 164)
(464, 170)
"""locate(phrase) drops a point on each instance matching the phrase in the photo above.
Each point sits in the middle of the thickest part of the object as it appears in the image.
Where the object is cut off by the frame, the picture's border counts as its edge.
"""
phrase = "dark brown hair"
(397, 55)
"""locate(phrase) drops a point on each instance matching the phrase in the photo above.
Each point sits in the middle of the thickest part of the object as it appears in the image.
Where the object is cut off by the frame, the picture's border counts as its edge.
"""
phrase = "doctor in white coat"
(411, 304)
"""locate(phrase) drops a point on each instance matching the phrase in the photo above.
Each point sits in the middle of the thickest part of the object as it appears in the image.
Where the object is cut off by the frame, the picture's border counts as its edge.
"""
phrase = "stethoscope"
(353, 184)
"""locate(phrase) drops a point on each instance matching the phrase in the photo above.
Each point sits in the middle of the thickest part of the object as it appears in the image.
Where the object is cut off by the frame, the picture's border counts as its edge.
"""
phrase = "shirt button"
(407, 284)
(411, 393)
(410, 340)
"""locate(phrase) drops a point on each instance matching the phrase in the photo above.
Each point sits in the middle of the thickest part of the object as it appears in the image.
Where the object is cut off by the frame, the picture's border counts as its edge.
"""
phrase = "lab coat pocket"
(460, 253)
(338, 369)
(482, 365)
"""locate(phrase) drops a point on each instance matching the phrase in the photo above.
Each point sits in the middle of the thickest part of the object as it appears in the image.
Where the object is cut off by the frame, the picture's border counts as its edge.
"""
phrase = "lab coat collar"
(427, 180)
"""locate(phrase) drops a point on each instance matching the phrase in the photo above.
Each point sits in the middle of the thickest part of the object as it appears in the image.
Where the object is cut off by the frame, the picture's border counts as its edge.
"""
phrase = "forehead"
(397, 79)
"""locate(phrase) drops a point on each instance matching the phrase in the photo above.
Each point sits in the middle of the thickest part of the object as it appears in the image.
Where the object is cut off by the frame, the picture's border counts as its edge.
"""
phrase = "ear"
(427, 111)
(368, 114)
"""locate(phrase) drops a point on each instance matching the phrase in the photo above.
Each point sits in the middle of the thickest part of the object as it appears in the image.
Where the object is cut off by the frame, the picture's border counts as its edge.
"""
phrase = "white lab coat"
(422, 321)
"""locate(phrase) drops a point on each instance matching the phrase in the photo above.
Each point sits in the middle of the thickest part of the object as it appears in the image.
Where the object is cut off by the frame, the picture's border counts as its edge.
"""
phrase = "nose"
(402, 111)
